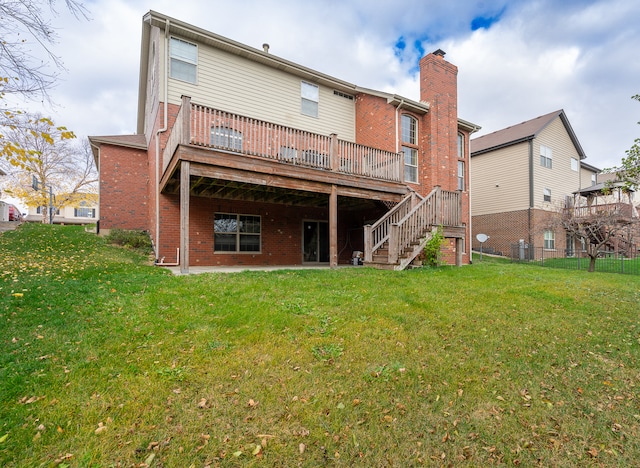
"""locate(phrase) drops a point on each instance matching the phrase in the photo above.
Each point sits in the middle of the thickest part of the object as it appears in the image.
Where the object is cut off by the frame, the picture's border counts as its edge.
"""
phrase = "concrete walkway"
(195, 270)
(8, 225)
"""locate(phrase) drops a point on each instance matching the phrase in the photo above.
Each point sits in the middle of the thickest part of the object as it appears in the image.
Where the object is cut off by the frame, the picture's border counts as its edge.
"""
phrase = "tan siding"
(560, 179)
(500, 180)
(585, 177)
(237, 85)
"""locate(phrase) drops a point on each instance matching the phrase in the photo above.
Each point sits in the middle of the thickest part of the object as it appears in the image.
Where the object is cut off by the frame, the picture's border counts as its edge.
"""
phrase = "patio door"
(315, 241)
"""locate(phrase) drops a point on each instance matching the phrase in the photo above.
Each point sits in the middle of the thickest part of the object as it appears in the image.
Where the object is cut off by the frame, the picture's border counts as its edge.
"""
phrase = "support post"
(184, 216)
(459, 249)
(334, 157)
(186, 120)
(333, 227)
(368, 244)
(394, 232)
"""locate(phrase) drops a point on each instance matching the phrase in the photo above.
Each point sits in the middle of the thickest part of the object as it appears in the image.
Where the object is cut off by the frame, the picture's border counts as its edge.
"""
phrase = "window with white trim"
(546, 156)
(409, 136)
(236, 233)
(549, 239)
(460, 146)
(84, 212)
(226, 137)
(575, 165)
(310, 95)
(184, 60)
(546, 195)
(594, 179)
(460, 175)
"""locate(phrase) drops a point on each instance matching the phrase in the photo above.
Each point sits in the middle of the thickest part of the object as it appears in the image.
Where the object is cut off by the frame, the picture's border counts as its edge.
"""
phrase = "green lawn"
(105, 361)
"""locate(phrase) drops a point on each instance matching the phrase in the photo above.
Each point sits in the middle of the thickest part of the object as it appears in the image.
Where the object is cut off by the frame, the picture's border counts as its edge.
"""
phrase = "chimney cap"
(439, 53)
(265, 47)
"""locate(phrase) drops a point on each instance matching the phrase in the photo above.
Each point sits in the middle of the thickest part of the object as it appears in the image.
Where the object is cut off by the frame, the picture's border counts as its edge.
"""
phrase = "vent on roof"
(346, 96)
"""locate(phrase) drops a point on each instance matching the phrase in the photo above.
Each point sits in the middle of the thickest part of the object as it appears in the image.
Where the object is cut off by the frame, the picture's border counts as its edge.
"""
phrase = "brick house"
(244, 158)
(521, 177)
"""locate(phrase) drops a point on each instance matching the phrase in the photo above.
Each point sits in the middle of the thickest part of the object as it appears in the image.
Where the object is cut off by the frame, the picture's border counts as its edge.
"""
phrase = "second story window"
(310, 97)
(184, 60)
(546, 156)
(460, 175)
(409, 135)
(575, 165)
(594, 179)
(226, 138)
(460, 146)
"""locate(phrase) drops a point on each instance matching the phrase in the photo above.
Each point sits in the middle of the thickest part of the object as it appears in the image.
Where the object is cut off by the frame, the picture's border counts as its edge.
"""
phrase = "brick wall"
(124, 181)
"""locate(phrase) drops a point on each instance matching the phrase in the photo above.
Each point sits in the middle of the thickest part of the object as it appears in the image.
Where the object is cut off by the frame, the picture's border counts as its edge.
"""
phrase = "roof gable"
(521, 132)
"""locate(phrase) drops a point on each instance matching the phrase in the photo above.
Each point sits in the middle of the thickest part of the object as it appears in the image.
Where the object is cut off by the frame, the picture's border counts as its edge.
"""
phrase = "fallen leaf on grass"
(202, 403)
(593, 452)
(100, 429)
(4, 437)
(301, 448)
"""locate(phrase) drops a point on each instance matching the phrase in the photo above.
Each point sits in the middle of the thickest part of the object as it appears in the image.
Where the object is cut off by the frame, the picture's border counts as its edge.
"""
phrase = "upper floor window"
(575, 165)
(226, 138)
(547, 195)
(546, 156)
(184, 60)
(593, 179)
(460, 175)
(460, 146)
(310, 95)
(409, 135)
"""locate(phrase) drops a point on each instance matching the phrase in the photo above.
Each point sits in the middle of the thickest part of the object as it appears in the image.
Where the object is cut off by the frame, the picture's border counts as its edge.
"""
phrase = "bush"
(432, 249)
(134, 240)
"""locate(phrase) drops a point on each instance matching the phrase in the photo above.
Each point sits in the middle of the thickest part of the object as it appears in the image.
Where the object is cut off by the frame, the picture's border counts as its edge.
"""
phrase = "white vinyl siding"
(561, 180)
(236, 84)
(499, 180)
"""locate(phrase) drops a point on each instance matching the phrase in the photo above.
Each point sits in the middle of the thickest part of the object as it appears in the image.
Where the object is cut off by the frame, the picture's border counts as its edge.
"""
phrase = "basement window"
(549, 240)
(236, 233)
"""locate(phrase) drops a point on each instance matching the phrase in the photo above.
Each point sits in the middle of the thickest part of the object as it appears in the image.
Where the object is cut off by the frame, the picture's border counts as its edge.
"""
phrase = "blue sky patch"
(486, 22)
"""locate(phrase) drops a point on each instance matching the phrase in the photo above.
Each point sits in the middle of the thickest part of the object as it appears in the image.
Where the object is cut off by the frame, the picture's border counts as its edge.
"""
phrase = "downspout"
(468, 185)
(164, 128)
(530, 192)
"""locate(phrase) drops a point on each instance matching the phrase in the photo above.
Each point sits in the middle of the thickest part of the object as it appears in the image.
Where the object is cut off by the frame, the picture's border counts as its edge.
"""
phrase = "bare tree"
(598, 227)
(25, 33)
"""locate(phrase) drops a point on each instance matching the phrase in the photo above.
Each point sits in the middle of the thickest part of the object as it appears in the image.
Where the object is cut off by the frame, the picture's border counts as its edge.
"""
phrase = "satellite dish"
(482, 238)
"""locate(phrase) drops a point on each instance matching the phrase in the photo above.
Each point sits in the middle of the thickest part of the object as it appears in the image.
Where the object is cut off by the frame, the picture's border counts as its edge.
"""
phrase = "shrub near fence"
(607, 262)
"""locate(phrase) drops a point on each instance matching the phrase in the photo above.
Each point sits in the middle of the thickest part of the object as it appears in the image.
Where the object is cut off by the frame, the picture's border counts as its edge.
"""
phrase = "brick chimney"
(439, 87)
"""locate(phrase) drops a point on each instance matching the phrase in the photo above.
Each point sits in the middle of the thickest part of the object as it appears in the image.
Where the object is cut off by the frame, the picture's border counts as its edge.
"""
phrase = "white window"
(460, 146)
(84, 212)
(547, 195)
(310, 97)
(546, 156)
(593, 179)
(236, 233)
(184, 60)
(226, 138)
(460, 175)
(575, 165)
(409, 135)
(549, 240)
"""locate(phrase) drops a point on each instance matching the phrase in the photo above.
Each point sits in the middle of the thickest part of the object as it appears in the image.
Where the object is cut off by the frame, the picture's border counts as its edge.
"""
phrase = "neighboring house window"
(593, 179)
(549, 240)
(310, 96)
(45, 209)
(546, 156)
(184, 60)
(575, 166)
(226, 138)
(409, 128)
(460, 175)
(547, 195)
(236, 233)
(84, 212)
(460, 146)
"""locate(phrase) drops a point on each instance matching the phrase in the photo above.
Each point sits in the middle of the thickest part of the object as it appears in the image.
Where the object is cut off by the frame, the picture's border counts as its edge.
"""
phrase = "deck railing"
(438, 208)
(216, 129)
(624, 210)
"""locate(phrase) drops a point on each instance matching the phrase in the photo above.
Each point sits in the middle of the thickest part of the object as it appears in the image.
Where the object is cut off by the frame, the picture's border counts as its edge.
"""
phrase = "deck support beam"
(333, 227)
(184, 216)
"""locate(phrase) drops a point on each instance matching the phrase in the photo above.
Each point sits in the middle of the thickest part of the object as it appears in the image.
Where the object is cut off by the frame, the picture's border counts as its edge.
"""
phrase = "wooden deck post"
(186, 120)
(334, 157)
(459, 249)
(394, 232)
(368, 243)
(184, 216)
(333, 227)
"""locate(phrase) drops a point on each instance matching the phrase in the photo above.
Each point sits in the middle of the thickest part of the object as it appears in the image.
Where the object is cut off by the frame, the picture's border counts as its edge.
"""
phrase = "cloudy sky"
(516, 59)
